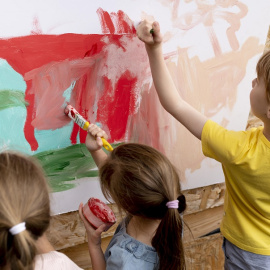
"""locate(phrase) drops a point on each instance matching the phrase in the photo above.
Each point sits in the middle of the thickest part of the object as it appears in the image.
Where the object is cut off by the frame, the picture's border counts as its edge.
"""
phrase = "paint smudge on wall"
(102, 92)
(222, 74)
(65, 165)
(98, 74)
(115, 23)
(208, 13)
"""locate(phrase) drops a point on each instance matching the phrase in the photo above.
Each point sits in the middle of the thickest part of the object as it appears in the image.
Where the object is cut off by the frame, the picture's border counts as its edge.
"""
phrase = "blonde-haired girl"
(25, 217)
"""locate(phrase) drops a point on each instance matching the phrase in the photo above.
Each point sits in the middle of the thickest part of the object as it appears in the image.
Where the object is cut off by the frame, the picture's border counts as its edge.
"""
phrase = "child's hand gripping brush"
(78, 119)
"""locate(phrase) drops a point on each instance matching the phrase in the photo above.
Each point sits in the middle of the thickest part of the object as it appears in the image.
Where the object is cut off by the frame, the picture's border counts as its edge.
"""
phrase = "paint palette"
(98, 213)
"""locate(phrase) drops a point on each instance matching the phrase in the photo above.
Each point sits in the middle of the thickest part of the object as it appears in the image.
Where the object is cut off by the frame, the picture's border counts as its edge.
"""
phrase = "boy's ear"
(268, 111)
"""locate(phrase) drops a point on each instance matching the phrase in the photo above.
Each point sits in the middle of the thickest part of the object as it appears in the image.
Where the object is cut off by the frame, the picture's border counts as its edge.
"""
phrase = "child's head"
(141, 181)
(24, 197)
(263, 72)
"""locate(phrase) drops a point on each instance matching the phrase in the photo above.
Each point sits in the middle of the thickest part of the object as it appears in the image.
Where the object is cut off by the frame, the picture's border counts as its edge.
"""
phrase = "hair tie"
(182, 203)
(172, 204)
(17, 228)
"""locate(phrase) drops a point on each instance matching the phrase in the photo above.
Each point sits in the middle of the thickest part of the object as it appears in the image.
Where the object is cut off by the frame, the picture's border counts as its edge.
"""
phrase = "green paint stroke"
(66, 165)
(10, 98)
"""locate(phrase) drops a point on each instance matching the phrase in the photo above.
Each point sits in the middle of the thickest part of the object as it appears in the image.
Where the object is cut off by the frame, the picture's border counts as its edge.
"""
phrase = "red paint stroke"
(50, 64)
(115, 112)
(105, 21)
(36, 27)
(29, 129)
(115, 23)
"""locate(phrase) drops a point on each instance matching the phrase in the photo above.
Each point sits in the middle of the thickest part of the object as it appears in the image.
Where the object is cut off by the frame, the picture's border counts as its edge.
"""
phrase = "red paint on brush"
(98, 213)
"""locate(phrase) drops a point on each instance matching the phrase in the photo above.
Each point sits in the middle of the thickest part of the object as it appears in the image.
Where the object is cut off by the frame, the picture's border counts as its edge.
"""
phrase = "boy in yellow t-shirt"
(244, 155)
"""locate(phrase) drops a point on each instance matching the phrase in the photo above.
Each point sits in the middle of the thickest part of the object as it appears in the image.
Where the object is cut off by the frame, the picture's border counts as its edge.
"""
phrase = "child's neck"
(43, 245)
(142, 229)
(266, 131)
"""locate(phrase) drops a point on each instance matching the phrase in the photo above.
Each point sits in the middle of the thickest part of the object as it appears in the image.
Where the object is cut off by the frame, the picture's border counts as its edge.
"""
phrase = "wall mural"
(87, 54)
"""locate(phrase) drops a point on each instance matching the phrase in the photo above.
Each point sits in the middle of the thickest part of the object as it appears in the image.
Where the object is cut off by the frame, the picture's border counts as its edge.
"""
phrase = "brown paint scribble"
(208, 14)
(214, 40)
(209, 86)
(234, 21)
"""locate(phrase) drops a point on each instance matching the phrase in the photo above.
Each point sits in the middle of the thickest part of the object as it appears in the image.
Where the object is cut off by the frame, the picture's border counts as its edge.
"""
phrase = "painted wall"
(87, 53)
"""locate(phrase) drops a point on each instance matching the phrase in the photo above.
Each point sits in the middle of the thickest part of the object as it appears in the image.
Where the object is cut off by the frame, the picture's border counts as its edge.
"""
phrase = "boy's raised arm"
(167, 92)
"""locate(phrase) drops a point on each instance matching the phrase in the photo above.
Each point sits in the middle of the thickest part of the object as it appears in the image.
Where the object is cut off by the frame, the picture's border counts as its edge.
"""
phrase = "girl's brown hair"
(141, 181)
(263, 71)
(24, 197)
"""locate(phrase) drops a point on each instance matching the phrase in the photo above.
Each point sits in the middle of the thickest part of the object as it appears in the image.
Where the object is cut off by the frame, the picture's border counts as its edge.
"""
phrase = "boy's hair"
(263, 71)
(24, 197)
(141, 181)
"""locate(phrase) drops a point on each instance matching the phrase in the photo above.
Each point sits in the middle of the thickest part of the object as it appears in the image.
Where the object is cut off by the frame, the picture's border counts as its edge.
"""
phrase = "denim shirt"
(127, 253)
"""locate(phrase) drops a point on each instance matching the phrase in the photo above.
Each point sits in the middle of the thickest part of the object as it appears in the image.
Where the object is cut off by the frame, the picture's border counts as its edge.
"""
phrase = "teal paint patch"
(11, 130)
(12, 109)
(98, 124)
(9, 78)
(53, 139)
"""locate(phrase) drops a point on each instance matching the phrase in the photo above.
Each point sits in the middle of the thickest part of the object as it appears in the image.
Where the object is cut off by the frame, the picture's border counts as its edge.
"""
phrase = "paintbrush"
(84, 124)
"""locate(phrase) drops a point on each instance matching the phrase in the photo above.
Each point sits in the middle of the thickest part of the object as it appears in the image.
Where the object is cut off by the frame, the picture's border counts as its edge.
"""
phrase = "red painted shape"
(29, 129)
(120, 25)
(74, 133)
(115, 111)
(29, 53)
(105, 21)
(124, 23)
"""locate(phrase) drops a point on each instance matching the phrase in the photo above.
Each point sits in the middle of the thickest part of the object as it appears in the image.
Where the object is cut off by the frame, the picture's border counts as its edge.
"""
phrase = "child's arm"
(94, 144)
(94, 243)
(167, 92)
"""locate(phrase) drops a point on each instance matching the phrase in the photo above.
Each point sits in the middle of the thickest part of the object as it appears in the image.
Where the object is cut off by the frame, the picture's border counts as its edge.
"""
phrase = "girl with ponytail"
(25, 217)
(144, 184)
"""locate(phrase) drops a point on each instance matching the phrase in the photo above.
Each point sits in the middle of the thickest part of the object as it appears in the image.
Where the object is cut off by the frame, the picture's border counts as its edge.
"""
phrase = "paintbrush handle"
(84, 124)
(106, 145)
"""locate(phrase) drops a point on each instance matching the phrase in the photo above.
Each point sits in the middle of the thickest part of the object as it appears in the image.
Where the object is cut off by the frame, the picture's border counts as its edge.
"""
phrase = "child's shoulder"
(213, 129)
(54, 260)
(124, 250)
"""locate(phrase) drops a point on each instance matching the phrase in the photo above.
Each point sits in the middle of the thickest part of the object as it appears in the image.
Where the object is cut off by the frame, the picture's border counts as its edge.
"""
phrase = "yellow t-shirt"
(245, 158)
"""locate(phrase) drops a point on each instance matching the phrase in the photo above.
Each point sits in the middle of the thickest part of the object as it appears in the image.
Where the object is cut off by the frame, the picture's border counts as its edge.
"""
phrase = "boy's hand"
(93, 139)
(94, 235)
(149, 33)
